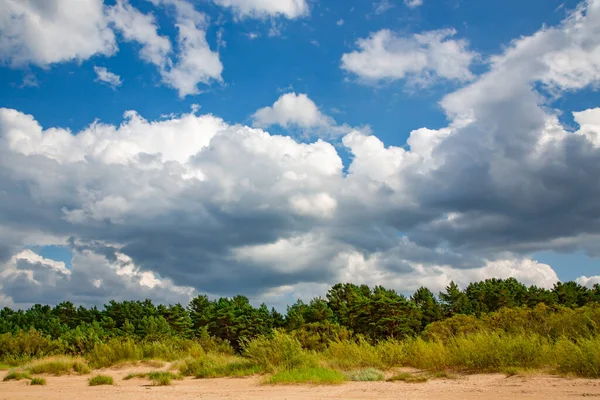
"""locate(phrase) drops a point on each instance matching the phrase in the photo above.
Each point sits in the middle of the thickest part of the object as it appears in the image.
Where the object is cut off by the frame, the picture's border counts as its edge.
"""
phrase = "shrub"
(38, 381)
(365, 375)
(27, 344)
(581, 358)
(312, 375)
(17, 376)
(100, 380)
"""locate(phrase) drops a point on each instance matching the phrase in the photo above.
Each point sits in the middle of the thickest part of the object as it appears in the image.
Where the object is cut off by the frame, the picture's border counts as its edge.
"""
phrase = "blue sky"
(473, 195)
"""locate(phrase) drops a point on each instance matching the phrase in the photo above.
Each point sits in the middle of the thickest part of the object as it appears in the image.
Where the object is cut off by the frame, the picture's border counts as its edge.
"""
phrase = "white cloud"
(105, 76)
(266, 8)
(289, 110)
(53, 31)
(413, 3)
(340, 22)
(382, 6)
(141, 28)
(588, 281)
(196, 62)
(420, 58)
(28, 278)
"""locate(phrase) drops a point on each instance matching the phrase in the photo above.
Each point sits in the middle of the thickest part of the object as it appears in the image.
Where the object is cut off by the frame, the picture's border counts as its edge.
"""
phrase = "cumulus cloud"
(196, 63)
(53, 31)
(194, 202)
(266, 8)
(291, 109)
(29, 278)
(141, 28)
(420, 58)
(105, 76)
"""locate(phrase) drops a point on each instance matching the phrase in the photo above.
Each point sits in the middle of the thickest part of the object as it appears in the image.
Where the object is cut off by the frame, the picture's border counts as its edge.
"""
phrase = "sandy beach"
(483, 386)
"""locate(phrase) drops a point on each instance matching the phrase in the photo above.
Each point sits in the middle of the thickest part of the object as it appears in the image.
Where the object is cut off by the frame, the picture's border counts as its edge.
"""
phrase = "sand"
(488, 386)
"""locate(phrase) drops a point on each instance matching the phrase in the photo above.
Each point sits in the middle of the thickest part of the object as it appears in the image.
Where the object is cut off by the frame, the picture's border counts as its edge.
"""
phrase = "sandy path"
(470, 387)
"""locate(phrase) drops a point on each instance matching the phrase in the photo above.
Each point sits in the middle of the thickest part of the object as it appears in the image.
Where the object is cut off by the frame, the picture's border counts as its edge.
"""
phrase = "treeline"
(348, 311)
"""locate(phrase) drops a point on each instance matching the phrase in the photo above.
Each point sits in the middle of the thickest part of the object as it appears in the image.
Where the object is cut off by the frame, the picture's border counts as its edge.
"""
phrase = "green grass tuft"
(162, 378)
(38, 381)
(101, 380)
(58, 366)
(135, 375)
(17, 376)
(312, 375)
(408, 378)
(365, 375)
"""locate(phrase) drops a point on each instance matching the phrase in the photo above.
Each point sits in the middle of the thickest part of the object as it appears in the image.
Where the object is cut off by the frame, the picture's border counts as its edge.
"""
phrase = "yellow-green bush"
(581, 358)
(278, 351)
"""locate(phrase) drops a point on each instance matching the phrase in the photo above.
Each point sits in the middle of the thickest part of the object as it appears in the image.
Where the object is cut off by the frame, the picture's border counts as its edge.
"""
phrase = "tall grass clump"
(16, 376)
(351, 354)
(279, 351)
(100, 380)
(58, 366)
(492, 352)
(218, 365)
(365, 375)
(581, 358)
(38, 381)
(162, 378)
(310, 375)
(429, 355)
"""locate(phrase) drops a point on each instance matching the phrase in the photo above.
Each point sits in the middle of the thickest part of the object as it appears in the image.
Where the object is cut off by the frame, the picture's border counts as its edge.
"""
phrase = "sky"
(167, 148)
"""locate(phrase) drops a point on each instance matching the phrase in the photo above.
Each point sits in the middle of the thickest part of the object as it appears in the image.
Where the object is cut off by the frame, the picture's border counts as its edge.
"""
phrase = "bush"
(581, 358)
(280, 351)
(16, 376)
(101, 380)
(365, 375)
(38, 381)
(27, 344)
(312, 375)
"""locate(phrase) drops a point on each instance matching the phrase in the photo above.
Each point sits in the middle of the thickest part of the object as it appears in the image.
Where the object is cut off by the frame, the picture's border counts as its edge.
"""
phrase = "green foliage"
(492, 325)
(581, 358)
(311, 375)
(365, 375)
(17, 376)
(100, 380)
(38, 381)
